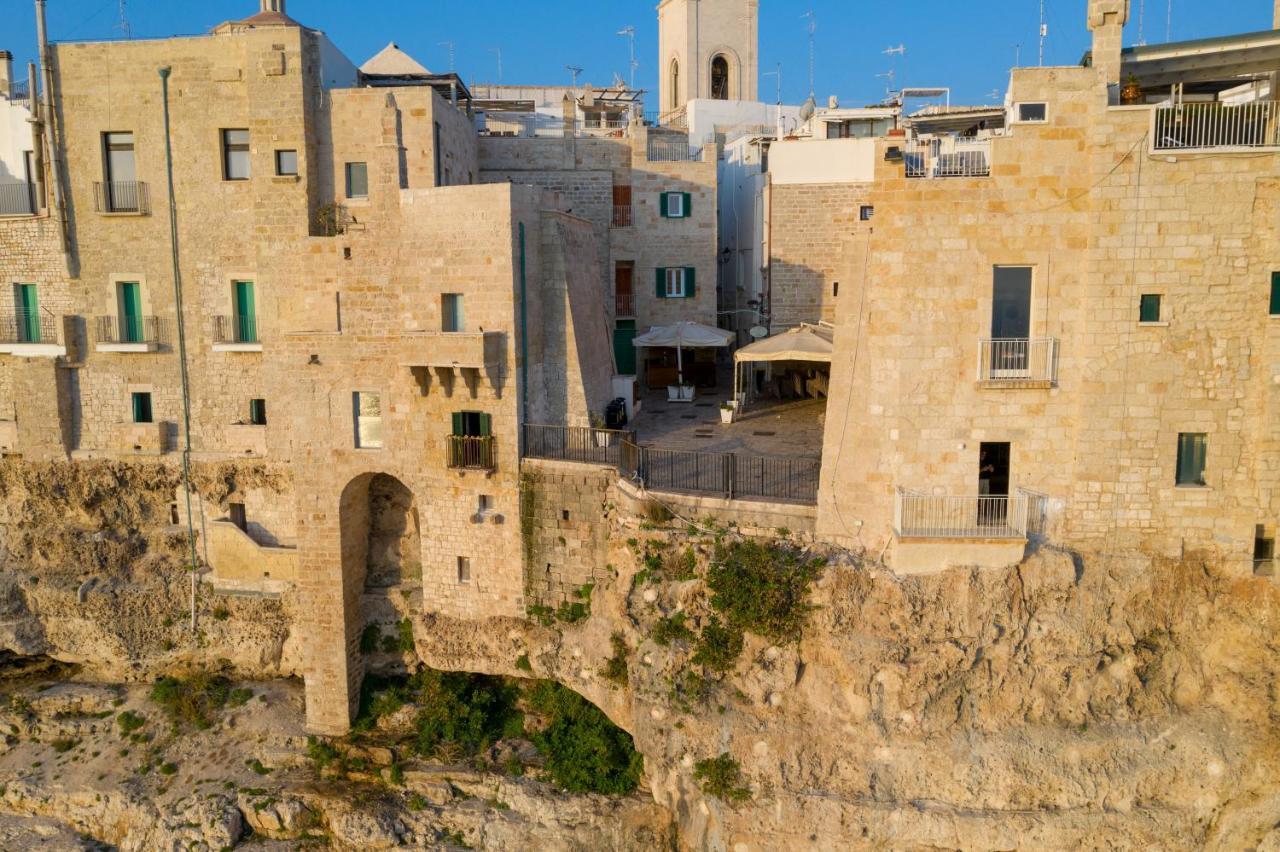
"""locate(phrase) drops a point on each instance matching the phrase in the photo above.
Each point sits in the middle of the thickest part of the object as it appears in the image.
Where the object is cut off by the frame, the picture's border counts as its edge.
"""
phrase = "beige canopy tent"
(805, 342)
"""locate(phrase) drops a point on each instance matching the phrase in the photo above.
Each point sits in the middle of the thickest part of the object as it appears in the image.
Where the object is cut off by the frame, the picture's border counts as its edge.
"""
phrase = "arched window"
(720, 78)
(675, 83)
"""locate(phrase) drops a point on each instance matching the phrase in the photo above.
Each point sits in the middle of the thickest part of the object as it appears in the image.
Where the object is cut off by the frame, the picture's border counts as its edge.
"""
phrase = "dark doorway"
(1011, 317)
(993, 469)
(720, 79)
(238, 516)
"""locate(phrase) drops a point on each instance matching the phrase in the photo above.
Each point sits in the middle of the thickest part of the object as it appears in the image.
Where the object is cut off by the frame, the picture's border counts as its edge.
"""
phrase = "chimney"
(1106, 21)
(6, 72)
(271, 6)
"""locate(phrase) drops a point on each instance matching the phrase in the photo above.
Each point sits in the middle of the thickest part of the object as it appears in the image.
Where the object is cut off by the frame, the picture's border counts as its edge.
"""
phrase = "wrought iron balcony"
(28, 327)
(468, 452)
(919, 515)
(622, 216)
(1018, 361)
(130, 331)
(18, 199)
(121, 196)
(624, 305)
(235, 329)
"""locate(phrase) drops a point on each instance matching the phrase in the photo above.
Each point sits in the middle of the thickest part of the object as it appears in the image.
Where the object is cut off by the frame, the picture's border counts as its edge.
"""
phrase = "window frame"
(679, 278)
(142, 408)
(1018, 119)
(257, 412)
(464, 569)
(1274, 308)
(668, 208)
(372, 438)
(280, 172)
(1143, 301)
(866, 212)
(229, 148)
(453, 321)
(1197, 444)
(347, 171)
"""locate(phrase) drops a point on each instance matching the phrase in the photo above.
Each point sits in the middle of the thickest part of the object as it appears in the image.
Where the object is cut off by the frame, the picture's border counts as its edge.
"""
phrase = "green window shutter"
(688, 205)
(1275, 294)
(690, 288)
(662, 282)
(486, 425)
(28, 313)
(457, 423)
(1149, 308)
(662, 205)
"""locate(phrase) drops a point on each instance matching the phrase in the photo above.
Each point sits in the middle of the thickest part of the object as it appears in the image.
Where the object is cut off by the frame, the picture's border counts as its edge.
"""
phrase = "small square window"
(1149, 307)
(485, 504)
(235, 154)
(258, 412)
(1275, 294)
(286, 163)
(1033, 112)
(564, 514)
(368, 417)
(357, 180)
(142, 408)
(464, 569)
(1193, 448)
(452, 315)
(866, 212)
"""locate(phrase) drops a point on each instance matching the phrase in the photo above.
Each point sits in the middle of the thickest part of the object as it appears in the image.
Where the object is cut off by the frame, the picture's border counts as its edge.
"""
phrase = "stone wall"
(812, 225)
(564, 528)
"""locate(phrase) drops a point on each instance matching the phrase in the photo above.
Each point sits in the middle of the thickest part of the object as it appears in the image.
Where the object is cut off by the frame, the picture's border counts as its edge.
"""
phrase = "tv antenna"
(777, 74)
(449, 45)
(630, 32)
(498, 51)
(575, 71)
(1044, 32)
(813, 28)
(124, 22)
(1017, 55)
(1168, 23)
(1142, 22)
(891, 75)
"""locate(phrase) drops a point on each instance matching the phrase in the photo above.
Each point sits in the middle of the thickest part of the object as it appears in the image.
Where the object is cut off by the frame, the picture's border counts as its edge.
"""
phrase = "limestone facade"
(693, 35)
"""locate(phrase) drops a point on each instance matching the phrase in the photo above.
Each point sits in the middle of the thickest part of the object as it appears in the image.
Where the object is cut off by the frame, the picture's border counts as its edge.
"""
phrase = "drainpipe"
(37, 137)
(524, 342)
(49, 123)
(182, 341)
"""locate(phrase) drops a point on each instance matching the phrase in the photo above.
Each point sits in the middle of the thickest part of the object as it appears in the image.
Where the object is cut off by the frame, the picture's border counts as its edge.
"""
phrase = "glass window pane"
(1192, 452)
(1149, 308)
(368, 411)
(286, 162)
(1275, 294)
(453, 318)
(1032, 112)
(357, 180)
(235, 154)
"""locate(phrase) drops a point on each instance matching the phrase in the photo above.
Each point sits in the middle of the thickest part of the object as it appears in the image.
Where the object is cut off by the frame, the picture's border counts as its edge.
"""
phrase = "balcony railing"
(235, 329)
(130, 329)
(468, 452)
(622, 217)
(624, 305)
(951, 156)
(575, 443)
(1209, 126)
(20, 92)
(121, 196)
(23, 326)
(17, 199)
(673, 151)
(919, 515)
(1018, 361)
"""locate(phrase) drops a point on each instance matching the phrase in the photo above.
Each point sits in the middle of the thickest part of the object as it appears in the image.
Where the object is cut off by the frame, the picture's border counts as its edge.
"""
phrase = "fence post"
(730, 471)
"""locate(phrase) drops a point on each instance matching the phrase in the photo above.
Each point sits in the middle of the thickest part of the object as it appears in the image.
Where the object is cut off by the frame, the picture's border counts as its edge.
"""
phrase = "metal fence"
(673, 151)
(622, 216)
(1016, 360)
(22, 326)
(20, 92)
(624, 304)
(1216, 125)
(471, 452)
(575, 443)
(950, 156)
(919, 515)
(17, 199)
(121, 196)
(130, 329)
(235, 329)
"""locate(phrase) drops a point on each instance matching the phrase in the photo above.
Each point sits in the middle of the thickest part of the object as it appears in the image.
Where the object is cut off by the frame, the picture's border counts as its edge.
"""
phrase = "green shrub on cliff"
(586, 753)
(763, 587)
(722, 777)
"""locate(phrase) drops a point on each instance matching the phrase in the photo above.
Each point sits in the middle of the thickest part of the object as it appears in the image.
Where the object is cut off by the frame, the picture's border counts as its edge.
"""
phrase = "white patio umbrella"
(682, 335)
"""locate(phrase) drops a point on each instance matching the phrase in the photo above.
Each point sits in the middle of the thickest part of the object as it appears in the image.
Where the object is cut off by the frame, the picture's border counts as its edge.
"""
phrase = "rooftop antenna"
(124, 22)
(630, 32)
(900, 50)
(1044, 32)
(449, 45)
(889, 91)
(1017, 55)
(777, 74)
(1142, 22)
(498, 51)
(575, 71)
(1168, 23)
(813, 28)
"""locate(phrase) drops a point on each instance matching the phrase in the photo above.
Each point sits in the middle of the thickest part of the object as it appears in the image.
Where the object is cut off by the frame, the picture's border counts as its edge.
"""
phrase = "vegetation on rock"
(722, 777)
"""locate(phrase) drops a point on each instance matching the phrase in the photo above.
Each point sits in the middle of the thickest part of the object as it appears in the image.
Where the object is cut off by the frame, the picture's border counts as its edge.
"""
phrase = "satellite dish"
(758, 331)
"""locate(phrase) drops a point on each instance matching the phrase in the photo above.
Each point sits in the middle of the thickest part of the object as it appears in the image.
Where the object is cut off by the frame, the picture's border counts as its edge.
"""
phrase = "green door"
(28, 313)
(246, 322)
(130, 312)
(624, 353)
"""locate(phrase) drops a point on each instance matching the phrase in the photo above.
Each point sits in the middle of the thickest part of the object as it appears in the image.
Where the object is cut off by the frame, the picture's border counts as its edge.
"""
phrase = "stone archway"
(720, 78)
(394, 552)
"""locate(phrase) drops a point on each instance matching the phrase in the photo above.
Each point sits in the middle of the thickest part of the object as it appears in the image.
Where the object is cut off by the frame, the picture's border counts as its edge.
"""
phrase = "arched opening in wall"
(675, 84)
(394, 554)
(720, 78)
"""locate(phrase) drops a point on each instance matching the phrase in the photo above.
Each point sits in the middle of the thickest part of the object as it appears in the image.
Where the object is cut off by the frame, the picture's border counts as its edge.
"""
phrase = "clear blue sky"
(968, 46)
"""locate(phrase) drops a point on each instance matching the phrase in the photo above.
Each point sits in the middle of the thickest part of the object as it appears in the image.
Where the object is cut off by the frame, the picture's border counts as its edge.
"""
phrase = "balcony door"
(246, 323)
(1010, 321)
(130, 306)
(122, 174)
(993, 483)
(28, 310)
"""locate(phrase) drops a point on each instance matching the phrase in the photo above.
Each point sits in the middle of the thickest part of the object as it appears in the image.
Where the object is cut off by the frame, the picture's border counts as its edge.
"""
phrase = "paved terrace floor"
(790, 428)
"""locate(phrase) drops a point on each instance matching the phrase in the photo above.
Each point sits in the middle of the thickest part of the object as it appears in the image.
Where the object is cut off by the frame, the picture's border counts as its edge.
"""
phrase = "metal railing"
(950, 156)
(130, 329)
(677, 118)
(919, 515)
(17, 199)
(1215, 125)
(121, 196)
(235, 329)
(624, 305)
(575, 443)
(23, 326)
(1018, 360)
(622, 216)
(470, 452)
(673, 151)
(601, 123)
(20, 92)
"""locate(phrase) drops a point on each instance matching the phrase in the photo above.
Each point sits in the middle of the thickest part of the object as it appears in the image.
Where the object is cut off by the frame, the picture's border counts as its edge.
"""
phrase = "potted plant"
(727, 410)
(601, 436)
(1132, 91)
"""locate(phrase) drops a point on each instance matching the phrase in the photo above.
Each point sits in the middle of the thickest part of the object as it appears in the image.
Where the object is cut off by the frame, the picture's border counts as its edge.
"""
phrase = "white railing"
(919, 515)
(1015, 361)
(1208, 126)
(673, 151)
(948, 156)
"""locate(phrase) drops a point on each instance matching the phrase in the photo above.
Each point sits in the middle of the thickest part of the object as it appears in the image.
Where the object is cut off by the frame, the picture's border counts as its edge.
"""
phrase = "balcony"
(441, 357)
(146, 438)
(129, 333)
(936, 531)
(1216, 127)
(948, 156)
(31, 334)
(236, 333)
(20, 93)
(624, 305)
(468, 452)
(18, 199)
(121, 197)
(1018, 362)
(622, 216)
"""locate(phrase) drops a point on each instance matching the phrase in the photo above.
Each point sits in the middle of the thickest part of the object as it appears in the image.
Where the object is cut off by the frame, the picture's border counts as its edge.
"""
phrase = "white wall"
(822, 161)
(705, 115)
(741, 190)
(15, 138)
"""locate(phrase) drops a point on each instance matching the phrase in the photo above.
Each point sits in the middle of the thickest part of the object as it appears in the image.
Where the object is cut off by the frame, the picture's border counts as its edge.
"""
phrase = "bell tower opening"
(720, 78)
(711, 50)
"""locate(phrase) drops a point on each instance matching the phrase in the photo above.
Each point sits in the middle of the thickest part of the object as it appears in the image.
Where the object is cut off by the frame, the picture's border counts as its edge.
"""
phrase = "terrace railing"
(121, 196)
(1211, 126)
(471, 452)
(951, 156)
(129, 329)
(20, 92)
(673, 151)
(17, 199)
(919, 515)
(23, 326)
(235, 329)
(1014, 361)
(624, 304)
(575, 443)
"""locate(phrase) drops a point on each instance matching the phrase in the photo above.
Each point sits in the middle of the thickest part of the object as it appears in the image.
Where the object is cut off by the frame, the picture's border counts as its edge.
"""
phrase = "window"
(368, 417)
(675, 84)
(675, 282)
(471, 424)
(286, 163)
(357, 180)
(245, 320)
(464, 569)
(866, 212)
(437, 154)
(142, 407)
(1033, 112)
(235, 154)
(485, 505)
(120, 172)
(676, 205)
(26, 303)
(452, 317)
(720, 79)
(258, 412)
(1275, 294)
(129, 304)
(1192, 449)
(835, 289)
(1149, 307)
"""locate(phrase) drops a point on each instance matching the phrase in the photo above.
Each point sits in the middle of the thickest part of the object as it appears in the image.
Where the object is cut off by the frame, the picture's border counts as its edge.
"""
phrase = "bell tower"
(707, 49)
